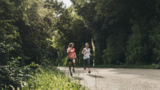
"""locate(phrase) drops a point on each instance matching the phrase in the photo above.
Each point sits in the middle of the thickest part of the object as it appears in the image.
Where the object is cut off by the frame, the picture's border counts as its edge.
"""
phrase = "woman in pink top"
(71, 56)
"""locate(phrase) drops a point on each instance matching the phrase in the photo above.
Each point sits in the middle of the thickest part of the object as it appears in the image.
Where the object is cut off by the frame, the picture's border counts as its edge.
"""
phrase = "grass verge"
(155, 66)
(50, 78)
(130, 66)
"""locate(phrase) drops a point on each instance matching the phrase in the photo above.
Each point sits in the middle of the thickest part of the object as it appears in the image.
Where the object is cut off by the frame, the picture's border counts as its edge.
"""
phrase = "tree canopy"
(39, 31)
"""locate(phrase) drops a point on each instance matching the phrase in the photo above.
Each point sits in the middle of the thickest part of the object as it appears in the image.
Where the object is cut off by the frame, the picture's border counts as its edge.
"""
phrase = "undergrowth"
(50, 78)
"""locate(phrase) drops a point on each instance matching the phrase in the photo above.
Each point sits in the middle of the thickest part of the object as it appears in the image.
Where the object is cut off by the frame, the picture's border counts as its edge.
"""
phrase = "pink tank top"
(71, 54)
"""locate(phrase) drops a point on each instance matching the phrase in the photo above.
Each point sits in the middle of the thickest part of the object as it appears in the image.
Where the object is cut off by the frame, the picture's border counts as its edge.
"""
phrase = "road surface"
(116, 79)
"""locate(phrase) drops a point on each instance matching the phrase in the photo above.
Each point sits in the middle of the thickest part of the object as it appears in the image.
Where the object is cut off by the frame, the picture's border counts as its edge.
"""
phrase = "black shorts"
(70, 60)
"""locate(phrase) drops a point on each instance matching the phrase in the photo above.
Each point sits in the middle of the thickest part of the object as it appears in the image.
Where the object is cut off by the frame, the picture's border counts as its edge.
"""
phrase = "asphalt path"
(116, 79)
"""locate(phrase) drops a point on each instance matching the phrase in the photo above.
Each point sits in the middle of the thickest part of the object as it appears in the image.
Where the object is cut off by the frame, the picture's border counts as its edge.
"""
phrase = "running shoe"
(89, 71)
(84, 67)
(73, 70)
(71, 74)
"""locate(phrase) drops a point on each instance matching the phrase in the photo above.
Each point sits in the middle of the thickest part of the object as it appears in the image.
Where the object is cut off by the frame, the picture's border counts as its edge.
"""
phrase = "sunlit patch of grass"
(50, 78)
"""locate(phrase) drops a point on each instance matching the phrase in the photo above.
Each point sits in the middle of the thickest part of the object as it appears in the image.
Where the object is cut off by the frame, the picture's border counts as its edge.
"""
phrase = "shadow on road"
(96, 76)
(77, 78)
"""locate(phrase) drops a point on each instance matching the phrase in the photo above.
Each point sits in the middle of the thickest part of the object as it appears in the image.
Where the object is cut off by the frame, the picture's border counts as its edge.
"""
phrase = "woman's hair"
(70, 44)
(86, 43)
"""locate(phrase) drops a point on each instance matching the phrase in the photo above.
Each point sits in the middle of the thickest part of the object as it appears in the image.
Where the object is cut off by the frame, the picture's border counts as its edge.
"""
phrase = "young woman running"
(86, 57)
(71, 56)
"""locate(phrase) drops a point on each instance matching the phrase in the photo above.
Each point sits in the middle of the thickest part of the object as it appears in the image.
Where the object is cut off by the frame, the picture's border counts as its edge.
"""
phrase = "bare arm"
(68, 51)
(83, 51)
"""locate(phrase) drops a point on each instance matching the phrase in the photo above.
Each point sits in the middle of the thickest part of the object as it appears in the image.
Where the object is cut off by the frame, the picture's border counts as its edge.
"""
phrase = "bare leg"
(73, 63)
(88, 64)
(84, 61)
(70, 67)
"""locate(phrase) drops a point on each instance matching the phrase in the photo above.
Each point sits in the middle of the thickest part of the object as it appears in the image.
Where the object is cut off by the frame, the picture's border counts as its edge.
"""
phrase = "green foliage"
(106, 21)
(137, 51)
(49, 78)
(140, 48)
(13, 75)
(113, 53)
(8, 32)
(35, 28)
(155, 37)
(123, 31)
(25, 29)
(86, 9)
(24, 33)
(70, 28)
(130, 29)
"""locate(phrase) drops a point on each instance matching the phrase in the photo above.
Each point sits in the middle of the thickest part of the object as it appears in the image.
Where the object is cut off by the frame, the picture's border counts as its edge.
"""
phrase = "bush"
(50, 78)
(12, 75)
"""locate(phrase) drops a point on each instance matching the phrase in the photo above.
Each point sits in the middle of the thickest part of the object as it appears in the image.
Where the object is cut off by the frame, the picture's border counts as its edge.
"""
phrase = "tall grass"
(50, 78)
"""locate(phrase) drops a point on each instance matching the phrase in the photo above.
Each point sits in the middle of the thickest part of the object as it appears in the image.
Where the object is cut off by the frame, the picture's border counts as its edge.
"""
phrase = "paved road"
(117, 79)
